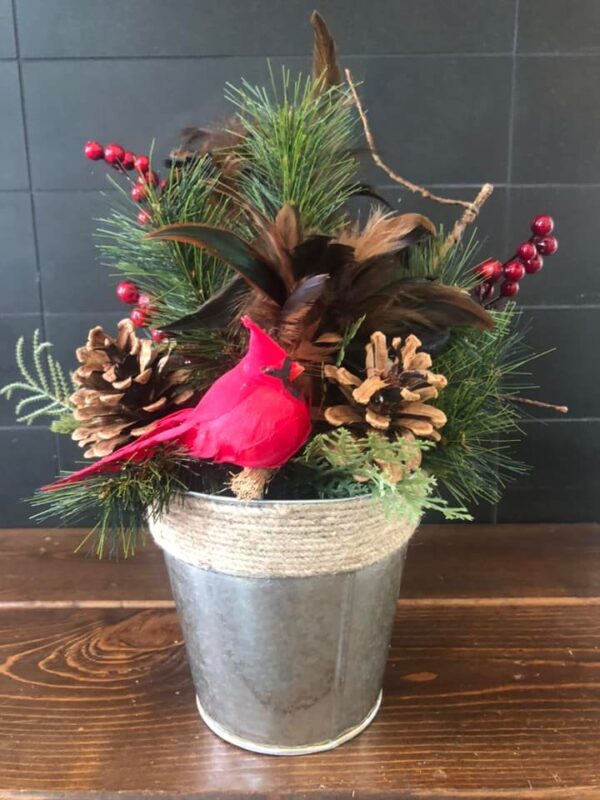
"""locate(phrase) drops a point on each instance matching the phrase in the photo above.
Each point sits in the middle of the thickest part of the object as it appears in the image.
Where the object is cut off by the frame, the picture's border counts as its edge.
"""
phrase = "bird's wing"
(264, 429)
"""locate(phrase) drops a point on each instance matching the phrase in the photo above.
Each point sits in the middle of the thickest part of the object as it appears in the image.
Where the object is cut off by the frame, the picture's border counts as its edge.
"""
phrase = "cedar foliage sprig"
(297, 148)
(344, 465)
(119, 502)
(44, 383)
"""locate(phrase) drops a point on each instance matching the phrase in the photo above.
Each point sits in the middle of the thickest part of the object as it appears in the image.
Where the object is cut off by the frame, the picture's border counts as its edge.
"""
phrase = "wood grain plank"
(467, 561)
(480, 702)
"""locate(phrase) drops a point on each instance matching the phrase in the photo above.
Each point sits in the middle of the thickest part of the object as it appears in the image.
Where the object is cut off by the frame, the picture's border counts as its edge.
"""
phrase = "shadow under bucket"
(287, 663)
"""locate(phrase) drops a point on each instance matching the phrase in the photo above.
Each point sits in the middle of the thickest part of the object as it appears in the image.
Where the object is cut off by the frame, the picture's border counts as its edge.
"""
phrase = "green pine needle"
(453, 268)
(178, 277)
(44, 384)
(120, 502)
(483, 368)
(297, 148)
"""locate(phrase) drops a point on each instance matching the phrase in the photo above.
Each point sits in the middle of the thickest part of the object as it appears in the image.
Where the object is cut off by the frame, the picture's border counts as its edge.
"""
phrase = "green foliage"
(179, 277)
(452, 267)
(44, 384)
(297, 148)
(343, 465)
(120, 502)
(348, 337)
(484, 368)
(65, 424)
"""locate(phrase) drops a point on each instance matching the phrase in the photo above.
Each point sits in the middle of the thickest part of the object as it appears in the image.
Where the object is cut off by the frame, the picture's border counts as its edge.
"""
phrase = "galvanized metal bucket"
(289, 660)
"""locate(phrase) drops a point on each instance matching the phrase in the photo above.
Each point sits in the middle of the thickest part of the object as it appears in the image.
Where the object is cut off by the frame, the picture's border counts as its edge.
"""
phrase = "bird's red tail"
(167, 429)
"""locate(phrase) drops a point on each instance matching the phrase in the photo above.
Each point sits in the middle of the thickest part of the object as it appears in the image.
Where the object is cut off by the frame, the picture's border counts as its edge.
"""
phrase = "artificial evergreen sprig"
(484, 369)
(432, 260)
(297, 148)
(344, 465)
(120, 503)
(176, 276)
(44, 384)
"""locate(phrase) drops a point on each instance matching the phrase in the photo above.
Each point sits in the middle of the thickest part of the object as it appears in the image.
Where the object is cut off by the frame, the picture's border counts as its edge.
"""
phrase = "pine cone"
(125, 386)
(394, 394)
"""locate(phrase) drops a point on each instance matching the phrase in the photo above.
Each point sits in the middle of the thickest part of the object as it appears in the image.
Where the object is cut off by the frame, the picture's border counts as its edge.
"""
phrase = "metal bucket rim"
(270, 503)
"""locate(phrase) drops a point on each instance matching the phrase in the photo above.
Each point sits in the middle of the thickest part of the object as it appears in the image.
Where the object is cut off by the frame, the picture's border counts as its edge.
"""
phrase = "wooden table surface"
(492, 688)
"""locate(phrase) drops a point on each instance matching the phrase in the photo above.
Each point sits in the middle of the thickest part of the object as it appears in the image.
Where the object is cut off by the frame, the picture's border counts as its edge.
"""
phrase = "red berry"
(149, 177)
(113, 154)
(489, 270)
(143, 217)
(93, 150)
(542, 225)
(534, 264)
(509, 288)
(138, 193)
(158, 335)
(526, 250)
(142, 163)
(144, 301)
(139, 317)
(546, 245)
(128, 160)
(162, 185)
(514, 271)
(127, 292)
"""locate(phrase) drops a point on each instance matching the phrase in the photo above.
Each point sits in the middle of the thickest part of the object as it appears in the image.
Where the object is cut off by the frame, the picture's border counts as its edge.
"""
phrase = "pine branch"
(44, 384)
(178, 277)
(484, 368)
(297, 149)
(431, 260)
(121, 502)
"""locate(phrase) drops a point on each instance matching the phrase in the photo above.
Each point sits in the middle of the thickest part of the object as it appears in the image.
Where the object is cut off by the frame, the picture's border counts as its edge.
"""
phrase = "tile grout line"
(306, 55)
(36, 246)
(513, 91)
(507, 205)
(28, 165)
(386, 186)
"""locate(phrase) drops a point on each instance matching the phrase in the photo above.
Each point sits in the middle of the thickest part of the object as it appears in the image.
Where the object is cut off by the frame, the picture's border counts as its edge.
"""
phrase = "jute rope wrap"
(278, 539)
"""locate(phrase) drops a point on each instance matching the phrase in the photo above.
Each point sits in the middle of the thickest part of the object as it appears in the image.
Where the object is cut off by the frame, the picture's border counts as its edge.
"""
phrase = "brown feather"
(411, 306)
(325, 66)
(386, 233)
(297, 307)
(288, 223)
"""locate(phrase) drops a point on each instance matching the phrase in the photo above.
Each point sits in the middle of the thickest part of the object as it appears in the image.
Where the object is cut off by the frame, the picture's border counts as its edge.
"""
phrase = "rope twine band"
(279, 538)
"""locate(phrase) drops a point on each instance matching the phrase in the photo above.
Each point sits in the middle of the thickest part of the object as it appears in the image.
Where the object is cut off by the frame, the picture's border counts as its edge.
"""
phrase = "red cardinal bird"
(253, 416)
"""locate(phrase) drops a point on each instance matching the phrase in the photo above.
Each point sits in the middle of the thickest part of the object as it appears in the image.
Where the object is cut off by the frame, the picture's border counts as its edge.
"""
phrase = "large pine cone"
(394, 393)
(126, 384)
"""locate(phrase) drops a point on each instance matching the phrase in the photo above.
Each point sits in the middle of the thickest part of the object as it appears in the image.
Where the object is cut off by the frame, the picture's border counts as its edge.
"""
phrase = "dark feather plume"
(405, 305)
(216, 313)
(298, 307)
(325, 66)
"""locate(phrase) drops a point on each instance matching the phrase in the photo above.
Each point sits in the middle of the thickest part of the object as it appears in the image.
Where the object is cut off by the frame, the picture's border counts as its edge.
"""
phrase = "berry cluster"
(526, 261)
(126, 161)
(141, 312)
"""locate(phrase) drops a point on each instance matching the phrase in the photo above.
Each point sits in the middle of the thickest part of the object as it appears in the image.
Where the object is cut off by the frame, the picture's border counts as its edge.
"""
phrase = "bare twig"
(538, 403)
(472, 208)
(468, 216)
(413, 187)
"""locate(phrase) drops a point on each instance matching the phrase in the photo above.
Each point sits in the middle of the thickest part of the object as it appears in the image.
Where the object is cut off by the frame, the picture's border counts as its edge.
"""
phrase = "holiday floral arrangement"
(279, 346)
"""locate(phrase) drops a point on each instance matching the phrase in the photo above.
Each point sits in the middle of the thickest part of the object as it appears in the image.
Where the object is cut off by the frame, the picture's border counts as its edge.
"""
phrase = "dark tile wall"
(459, 91)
